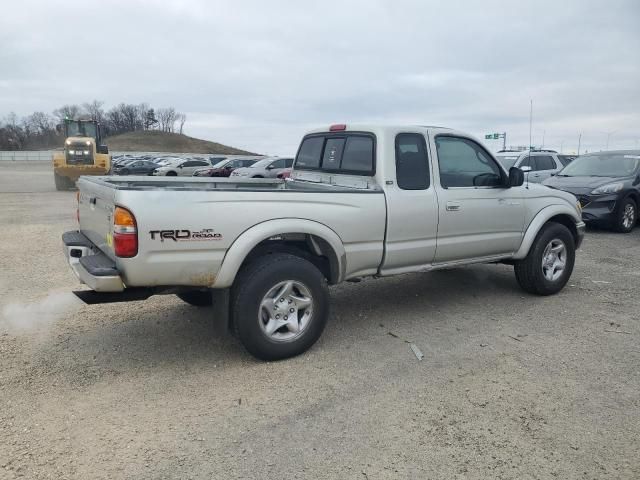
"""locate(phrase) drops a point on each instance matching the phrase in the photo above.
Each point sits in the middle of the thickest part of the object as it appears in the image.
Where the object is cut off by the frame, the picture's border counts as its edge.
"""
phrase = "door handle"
(453, 206)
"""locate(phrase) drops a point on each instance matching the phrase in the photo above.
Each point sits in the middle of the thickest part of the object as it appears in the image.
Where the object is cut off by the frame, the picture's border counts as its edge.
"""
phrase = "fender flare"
(250, 238)
(542, 217)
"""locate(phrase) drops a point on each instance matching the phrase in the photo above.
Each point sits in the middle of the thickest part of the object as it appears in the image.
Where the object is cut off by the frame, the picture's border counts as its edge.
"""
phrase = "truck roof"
(373, 128)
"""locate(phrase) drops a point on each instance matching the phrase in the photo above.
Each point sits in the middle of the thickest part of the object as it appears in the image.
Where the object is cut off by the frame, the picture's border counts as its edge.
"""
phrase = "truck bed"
(225, 210)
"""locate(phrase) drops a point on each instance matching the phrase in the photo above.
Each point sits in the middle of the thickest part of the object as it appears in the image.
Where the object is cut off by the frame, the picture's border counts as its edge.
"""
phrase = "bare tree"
(94, 110)
(40, 123)
(67, 111)
(181, 118)
(166, 118)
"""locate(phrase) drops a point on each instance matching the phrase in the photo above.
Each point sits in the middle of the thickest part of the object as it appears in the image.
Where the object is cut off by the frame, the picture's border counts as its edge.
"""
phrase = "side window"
(288, 163)
(358, 154)
(278, 163)
(188, 163)
(463, 163)
(528, 161)
(545, 162)
(247, 163)
(310, 152)
(332, 154)
(200, 163)
(412, 162)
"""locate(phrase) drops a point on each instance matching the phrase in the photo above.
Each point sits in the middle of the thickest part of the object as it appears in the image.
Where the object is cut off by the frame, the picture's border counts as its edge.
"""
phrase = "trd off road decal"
(185, 235)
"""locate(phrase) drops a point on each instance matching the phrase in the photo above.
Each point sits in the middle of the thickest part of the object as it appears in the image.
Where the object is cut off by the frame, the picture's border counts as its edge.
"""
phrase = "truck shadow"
(164, 333)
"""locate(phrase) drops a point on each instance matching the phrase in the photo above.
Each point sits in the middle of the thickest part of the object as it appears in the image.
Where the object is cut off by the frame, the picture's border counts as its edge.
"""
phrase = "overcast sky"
(257, 74)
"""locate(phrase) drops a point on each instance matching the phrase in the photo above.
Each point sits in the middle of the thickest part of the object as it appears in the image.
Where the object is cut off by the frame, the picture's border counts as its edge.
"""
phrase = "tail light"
(125, 233)
(338, 127)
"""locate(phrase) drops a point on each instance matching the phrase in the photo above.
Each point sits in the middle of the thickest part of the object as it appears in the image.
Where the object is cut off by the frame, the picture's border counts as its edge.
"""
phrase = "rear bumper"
(91, 266)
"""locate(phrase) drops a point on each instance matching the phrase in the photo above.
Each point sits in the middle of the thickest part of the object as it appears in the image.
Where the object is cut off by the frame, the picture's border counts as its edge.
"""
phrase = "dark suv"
(607, 184)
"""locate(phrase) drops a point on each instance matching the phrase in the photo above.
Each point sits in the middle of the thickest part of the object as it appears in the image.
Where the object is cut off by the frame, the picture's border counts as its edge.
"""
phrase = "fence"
(26, 155)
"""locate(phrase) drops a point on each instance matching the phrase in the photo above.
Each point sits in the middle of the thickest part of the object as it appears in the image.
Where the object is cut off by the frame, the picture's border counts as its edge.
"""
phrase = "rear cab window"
(345, 152)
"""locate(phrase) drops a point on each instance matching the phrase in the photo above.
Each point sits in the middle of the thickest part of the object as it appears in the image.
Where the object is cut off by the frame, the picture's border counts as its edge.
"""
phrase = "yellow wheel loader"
(83, 153)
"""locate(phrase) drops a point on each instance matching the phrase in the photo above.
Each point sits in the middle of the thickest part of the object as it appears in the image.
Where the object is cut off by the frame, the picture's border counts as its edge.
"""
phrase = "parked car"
(182, 167)
(215, 160)
(607, 185)
(265, 168)
(286, 173)
(538, 165)
(136, 167)
(362, 201)
(225, 167)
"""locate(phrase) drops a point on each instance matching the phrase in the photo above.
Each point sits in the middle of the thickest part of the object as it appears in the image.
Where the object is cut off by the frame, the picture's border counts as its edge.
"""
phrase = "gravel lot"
(511, 386)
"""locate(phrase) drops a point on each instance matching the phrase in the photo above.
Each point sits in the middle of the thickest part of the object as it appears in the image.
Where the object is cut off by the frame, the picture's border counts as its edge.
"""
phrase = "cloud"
(256, 74)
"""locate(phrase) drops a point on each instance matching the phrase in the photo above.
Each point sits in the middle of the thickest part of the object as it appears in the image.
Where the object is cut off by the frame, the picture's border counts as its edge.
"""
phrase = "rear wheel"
(59, 181)
(62, 182)
(257, 176)
(627, 216)
(197, 298)
(172, 174)
(549, 264)
(280, 306)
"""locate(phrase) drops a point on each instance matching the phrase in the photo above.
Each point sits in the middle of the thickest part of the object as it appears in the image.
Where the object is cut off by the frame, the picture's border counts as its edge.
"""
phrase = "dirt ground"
(511, 386)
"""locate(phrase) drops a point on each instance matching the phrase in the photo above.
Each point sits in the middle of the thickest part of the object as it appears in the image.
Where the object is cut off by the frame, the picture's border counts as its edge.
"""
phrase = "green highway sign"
(492, 136)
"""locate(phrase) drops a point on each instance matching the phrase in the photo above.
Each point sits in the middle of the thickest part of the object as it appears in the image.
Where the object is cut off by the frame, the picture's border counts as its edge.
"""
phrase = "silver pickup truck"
(361, 201)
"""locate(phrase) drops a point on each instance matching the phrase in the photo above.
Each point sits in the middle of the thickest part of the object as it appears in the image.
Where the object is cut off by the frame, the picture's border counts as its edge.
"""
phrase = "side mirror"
(179, 166)
(270, 167)
(525, 168)
(516, 177)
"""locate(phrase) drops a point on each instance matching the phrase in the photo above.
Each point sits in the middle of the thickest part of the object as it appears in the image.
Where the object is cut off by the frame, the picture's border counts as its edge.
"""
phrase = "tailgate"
(96, 203)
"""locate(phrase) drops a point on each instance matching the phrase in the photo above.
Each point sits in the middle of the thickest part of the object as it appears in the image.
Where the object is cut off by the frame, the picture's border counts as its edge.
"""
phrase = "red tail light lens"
(125, 233)
(338, 127)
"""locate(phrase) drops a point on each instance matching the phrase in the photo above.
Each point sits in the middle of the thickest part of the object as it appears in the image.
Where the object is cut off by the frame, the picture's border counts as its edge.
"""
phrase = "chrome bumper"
(76, 246)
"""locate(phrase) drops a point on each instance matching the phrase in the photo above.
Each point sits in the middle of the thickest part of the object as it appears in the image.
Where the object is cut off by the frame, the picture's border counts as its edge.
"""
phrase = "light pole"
(608, 137)
(579, 140)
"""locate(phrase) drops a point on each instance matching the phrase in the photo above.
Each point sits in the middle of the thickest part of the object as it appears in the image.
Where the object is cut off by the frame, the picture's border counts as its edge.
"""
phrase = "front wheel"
(549, 264)
(280, 306)
(627, 216)
(172, 174)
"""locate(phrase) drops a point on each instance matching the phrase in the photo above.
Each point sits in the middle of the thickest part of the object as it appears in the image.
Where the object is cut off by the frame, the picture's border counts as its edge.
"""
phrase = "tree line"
(38, 130)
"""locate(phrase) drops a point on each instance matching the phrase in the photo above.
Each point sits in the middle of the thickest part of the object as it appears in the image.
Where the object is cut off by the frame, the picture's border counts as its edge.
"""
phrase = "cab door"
(412, 207)
(479, 215)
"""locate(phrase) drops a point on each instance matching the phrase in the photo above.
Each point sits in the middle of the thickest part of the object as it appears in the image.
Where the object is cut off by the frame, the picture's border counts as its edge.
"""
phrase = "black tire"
(172, 174)
(257, 176)
(252, 285)
(197, 298)
(124, 171)
(60, 181)
(619, 226)
(529, 271)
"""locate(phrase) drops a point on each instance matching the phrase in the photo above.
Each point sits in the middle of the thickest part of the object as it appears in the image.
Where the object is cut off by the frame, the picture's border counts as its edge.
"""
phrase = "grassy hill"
(153, 141)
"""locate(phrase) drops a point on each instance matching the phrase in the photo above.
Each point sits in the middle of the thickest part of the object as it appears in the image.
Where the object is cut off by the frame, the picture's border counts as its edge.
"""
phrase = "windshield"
(81, 129)
(262, 163)
(603, 165)
(220, 164)
(507, 161)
